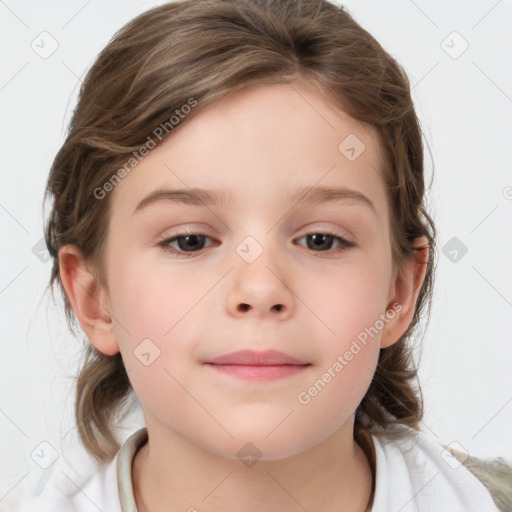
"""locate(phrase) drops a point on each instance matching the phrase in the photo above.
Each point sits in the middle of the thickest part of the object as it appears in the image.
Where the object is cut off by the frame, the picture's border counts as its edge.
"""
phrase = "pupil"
(196, 239)
(321, 241)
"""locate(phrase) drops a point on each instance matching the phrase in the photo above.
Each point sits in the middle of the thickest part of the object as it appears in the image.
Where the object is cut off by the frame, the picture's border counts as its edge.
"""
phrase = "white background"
(465, 107)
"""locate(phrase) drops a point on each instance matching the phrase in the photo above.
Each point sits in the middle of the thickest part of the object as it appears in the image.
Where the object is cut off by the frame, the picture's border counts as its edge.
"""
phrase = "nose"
(260, 289)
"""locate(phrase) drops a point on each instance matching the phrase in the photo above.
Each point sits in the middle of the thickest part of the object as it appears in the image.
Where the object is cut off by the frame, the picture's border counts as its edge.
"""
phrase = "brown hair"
(204, 50)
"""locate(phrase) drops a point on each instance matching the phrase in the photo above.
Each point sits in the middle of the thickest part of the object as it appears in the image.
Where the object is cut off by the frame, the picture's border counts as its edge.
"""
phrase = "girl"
(238, 226)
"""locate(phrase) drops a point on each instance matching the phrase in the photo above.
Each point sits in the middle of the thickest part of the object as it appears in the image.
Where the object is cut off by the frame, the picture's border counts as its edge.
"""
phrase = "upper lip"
(253, 358)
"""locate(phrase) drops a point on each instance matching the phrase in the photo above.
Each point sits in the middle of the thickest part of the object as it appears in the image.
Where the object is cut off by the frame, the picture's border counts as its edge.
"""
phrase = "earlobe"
(88, 299)
(405, 290)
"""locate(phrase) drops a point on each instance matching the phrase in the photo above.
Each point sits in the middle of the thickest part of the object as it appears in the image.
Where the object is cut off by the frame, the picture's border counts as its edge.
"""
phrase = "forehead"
(264, 142)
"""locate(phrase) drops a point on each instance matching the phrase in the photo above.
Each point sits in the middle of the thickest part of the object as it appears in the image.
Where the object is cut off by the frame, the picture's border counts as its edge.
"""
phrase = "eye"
(186, 242)
(324, 241)
(189, 243)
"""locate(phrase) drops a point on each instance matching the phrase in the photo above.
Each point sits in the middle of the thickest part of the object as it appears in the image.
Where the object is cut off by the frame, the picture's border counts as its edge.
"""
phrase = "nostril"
(243, 307)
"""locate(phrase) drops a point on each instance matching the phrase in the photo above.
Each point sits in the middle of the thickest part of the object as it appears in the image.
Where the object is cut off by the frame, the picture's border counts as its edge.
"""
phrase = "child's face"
(258, 147)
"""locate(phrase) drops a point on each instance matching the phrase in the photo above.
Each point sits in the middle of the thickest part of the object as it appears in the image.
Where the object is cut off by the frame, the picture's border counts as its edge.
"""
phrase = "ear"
(88, 298)
(404, 293)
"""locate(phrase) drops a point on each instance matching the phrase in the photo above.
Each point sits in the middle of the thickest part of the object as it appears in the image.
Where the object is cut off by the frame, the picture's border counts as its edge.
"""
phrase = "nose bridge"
(257, 254)
(258, 239)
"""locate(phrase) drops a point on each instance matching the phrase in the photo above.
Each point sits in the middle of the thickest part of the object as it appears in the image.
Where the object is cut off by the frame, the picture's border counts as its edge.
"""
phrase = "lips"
(248, 365)
(253, 358)
(269, 365)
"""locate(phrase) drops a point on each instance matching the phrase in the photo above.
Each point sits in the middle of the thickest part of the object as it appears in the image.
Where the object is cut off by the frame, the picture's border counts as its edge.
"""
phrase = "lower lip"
(260, 373)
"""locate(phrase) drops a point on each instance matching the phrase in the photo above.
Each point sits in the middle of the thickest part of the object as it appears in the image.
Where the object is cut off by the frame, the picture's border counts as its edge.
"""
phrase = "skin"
(258, 145)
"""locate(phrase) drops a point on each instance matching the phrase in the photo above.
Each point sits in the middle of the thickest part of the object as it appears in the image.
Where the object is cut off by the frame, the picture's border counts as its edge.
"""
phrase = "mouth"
(258, 366)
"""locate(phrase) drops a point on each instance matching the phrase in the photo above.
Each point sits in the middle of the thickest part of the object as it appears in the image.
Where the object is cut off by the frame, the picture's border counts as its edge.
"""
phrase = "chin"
(257, 445)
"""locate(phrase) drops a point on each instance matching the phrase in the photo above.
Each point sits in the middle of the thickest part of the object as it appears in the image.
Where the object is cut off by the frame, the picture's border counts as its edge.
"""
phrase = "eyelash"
(164, 244)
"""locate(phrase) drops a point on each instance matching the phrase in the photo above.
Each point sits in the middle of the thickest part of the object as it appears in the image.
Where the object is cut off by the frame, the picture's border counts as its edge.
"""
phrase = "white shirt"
(413, 474)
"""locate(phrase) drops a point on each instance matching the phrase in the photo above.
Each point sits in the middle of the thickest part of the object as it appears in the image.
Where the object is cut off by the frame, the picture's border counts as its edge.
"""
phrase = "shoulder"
(416, 472)
(60, 488)
(495, 474)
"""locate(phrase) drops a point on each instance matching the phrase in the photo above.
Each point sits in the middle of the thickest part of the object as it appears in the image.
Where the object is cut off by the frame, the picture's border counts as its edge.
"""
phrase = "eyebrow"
(319, 195)
(203, 197)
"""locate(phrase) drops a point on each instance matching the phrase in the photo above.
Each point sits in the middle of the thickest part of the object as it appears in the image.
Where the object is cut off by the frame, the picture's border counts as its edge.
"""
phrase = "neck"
(170, 473)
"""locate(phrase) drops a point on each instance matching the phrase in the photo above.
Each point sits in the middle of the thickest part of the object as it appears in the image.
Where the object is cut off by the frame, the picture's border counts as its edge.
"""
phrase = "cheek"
(350, 310)
(153, 300)
(158, 312)
(348, 301)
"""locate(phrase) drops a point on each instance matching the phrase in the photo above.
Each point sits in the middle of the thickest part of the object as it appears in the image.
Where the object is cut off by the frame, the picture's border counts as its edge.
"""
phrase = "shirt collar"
(124, 468)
